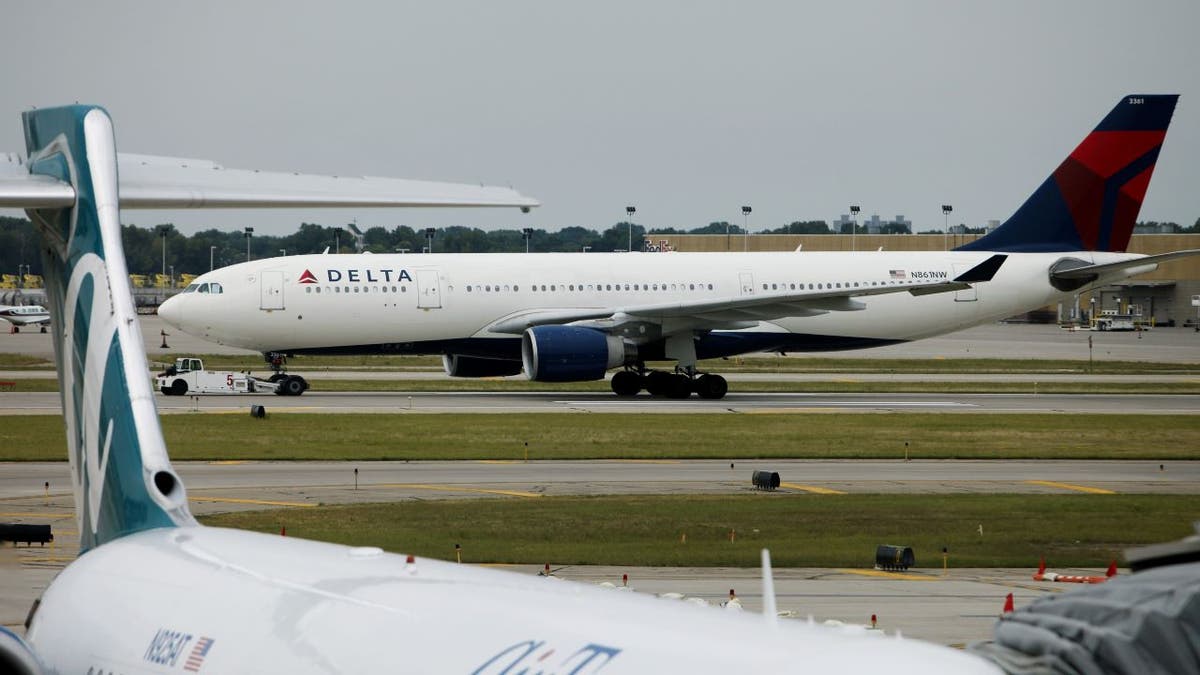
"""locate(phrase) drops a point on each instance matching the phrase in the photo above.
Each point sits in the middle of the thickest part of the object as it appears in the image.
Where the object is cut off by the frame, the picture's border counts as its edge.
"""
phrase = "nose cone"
(171, 311)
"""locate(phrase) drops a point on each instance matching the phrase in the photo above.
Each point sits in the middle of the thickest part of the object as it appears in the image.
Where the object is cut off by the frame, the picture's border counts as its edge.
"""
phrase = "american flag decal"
(896, 274)
(196, 658)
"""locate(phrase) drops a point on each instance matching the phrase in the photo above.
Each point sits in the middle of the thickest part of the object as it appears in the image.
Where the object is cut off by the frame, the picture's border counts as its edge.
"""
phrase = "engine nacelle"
(570, 354)
(457, 365)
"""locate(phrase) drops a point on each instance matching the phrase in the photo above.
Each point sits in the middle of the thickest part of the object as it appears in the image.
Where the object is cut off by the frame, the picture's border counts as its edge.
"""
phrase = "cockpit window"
(203, 288)
(214, 287)
(191, 288)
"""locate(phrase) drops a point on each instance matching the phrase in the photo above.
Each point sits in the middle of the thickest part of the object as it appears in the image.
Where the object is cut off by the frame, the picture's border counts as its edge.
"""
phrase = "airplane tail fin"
(1091, 201)
(121, 476)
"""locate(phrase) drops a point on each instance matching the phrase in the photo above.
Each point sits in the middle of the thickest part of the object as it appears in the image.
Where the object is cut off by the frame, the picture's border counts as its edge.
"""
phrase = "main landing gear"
(678, 385)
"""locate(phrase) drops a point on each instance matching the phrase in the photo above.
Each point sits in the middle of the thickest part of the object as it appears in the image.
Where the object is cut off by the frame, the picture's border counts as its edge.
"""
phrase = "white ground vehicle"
(189, 376)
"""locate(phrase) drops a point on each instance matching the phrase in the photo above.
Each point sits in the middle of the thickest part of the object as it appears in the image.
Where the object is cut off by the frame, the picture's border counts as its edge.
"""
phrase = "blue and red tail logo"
(1091, 201)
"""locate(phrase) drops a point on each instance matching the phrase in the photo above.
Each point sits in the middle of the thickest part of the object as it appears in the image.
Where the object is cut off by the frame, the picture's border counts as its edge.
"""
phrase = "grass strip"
(800, 530)
(451, 436)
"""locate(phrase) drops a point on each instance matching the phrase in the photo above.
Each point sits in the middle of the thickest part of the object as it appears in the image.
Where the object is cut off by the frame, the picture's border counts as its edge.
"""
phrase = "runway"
(47, 403)
(234, 485)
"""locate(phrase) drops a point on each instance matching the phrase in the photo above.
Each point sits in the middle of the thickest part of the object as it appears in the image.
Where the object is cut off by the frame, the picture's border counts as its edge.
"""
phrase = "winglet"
(984, 271)
(122, 478)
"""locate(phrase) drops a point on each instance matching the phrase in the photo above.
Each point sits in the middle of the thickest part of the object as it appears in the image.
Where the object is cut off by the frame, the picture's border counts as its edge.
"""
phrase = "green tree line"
(192, 254)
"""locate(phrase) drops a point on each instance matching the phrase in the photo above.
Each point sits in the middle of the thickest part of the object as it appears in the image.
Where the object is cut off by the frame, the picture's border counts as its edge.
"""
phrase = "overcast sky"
(685, 109)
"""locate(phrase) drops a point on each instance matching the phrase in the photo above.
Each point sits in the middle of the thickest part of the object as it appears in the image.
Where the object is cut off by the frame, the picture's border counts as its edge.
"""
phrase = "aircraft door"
(966, 295)
(271, 283)
(429, 289)
(747, 282)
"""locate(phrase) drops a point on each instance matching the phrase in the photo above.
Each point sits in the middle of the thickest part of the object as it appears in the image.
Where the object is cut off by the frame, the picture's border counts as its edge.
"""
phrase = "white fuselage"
(262, 603)
(24, 315)
(415, 302)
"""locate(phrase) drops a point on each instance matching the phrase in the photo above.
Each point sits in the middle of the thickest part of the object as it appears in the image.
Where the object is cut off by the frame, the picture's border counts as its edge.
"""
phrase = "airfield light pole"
(527, 233)
(746, 228)
(172, 277)
(629, 211)
(211, 250)
(162, 232)
(853, 226)
(946, 209)
(429, 238)
(249, 233)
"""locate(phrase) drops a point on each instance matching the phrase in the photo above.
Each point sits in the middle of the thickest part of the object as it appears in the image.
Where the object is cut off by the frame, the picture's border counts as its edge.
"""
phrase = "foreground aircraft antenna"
(768, 591)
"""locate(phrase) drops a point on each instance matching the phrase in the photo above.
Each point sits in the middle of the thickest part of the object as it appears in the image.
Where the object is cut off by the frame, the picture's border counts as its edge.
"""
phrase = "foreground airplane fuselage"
(225, 601)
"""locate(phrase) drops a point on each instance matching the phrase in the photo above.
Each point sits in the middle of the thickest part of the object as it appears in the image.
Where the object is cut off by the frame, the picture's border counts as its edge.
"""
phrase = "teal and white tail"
(120, 472)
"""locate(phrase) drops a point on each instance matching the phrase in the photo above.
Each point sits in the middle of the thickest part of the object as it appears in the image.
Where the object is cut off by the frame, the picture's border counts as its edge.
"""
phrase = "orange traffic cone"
(1008, 604)
(1112, 569)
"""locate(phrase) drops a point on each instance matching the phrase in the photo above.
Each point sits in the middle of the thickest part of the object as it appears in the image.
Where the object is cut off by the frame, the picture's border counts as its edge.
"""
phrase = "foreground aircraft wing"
(738, 310)
(151, 182)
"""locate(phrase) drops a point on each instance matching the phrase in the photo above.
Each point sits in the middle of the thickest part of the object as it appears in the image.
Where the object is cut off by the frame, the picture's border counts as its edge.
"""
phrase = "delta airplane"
(25, 315)
(155, 592)
(573, 317)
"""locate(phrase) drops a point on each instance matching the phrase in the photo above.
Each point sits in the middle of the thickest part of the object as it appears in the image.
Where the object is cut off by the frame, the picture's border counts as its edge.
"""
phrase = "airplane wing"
(151, 182)
(738, 311)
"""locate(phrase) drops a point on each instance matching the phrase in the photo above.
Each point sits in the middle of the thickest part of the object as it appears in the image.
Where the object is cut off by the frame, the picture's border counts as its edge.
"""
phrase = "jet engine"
(571, 354)
(457, 365)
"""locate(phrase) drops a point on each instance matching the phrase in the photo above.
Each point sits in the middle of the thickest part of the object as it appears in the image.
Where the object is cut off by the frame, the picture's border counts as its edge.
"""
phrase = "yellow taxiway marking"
(229, 462)
(48, 558)
(49, 516)
(641, 461)
(446, 488)
(499, 461)
(888, 575)
(812, 488)
(256, 502)
(1068, 486)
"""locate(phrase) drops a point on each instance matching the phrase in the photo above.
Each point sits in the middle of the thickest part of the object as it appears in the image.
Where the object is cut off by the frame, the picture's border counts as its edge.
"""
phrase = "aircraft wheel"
(658, 383)
(293, 386)
(275, 377)
(626, 383)
(43, 329)
(711, 386)
(679, 386)
(178, 388)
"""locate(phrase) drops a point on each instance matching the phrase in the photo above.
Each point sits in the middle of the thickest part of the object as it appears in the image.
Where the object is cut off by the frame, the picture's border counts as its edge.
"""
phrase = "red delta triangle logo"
(308, 278)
